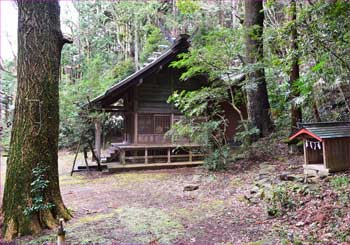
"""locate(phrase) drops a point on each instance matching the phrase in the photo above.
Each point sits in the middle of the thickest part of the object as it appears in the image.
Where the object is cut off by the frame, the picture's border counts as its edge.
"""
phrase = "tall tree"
(257, 97)
(296, 113)
(32, 198)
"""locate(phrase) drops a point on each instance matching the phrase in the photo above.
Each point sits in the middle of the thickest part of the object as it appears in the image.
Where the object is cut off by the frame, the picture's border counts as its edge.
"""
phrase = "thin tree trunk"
(296, 113)
(257, 96)
(175, 12)
(234, 13)
(221, 13)
(136, 45)
(316, 112)
(34, 138)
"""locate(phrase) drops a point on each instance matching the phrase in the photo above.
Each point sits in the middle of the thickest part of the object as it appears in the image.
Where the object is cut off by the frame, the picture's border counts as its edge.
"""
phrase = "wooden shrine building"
(326, 146)
(141, 99)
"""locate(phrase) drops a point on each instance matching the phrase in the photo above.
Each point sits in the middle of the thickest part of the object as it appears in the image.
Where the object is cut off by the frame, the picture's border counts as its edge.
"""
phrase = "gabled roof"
(112, 94)
(323, 130)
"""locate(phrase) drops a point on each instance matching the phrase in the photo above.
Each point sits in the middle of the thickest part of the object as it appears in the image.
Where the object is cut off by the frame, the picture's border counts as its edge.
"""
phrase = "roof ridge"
(323, 124)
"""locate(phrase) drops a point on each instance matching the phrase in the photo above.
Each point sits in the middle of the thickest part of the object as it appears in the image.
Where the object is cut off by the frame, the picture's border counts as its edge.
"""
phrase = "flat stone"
(254, 190)
(191, 187)
(299, 224)
(287, 177)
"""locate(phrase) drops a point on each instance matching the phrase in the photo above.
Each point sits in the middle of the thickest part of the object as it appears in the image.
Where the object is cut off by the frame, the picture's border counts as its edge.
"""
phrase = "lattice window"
(153, 123)
(161, 123)
(145, 124)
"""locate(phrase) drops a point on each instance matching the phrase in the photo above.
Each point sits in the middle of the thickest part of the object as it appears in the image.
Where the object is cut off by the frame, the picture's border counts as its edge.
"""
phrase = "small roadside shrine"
(326, 146)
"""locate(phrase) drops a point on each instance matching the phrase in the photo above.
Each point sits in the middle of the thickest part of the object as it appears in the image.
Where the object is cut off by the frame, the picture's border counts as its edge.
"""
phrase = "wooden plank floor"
(153, 146)
(114, 167)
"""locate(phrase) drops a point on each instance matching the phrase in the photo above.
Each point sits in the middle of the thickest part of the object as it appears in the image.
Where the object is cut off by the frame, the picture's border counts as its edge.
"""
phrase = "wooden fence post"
(61, 234)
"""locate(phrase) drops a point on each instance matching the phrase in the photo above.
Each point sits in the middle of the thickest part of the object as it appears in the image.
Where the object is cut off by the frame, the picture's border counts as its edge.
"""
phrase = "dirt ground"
(152, 206)
(252, 202)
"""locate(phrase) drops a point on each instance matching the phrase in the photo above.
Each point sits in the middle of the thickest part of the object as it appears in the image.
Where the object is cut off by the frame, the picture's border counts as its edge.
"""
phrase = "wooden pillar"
(171, 125)
(306, 155)
(324, 153)
(122, 157)
(98, 133)
(146, 155)
(135, 127)
(169, 160)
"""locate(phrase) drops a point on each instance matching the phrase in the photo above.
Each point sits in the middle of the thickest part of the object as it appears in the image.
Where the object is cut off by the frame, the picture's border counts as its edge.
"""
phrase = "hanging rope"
(313, 145)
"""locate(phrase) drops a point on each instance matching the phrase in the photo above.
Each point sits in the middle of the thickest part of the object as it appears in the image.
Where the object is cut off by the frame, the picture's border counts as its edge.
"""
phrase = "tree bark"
(316, 112)
(296, 113)
(136, 45)
(258, 104)
(34, 138)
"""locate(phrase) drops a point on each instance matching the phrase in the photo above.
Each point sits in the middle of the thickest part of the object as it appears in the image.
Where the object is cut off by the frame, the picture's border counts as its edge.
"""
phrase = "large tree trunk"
(296, 113)
(34, 138)
(258, 103)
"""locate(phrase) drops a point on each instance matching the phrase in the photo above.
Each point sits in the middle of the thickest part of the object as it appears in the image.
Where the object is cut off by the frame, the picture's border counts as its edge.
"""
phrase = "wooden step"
(115, 167)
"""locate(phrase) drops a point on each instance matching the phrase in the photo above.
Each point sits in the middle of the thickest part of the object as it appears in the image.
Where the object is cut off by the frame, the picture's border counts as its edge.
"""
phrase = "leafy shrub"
(279, 200)
(218, 159)
(245, 132)
(340, 182)
(38, 187)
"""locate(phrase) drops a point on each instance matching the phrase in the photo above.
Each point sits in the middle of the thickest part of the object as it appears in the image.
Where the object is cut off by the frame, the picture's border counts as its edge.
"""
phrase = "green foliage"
(216, 53)
(340, 182)
(218, 159)
(245, 133)
(8, 86)
(202, 124)
(122, 69)
(322, 29)
(38, 188)
(155, 38)
(104, 53)
(188, 6)
(279, 200)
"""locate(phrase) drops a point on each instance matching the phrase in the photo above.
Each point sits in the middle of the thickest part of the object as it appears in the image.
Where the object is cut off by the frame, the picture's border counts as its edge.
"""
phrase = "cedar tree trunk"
(34, 138)
(296, 113)
(257, 97)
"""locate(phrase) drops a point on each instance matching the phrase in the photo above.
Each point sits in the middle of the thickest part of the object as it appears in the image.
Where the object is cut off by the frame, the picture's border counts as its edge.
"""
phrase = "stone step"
(315, 170)
(115, 167)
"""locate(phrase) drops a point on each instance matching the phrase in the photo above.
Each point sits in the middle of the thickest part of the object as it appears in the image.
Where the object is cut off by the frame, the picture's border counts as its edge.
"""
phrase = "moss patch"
(148, 224)
(201, 212)
(122, 180)
(94, 218)
(236, 182)
(72, 180)
(51, 238)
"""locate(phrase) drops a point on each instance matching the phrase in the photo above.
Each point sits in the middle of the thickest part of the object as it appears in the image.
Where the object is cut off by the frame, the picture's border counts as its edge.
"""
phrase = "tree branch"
(66, 39)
